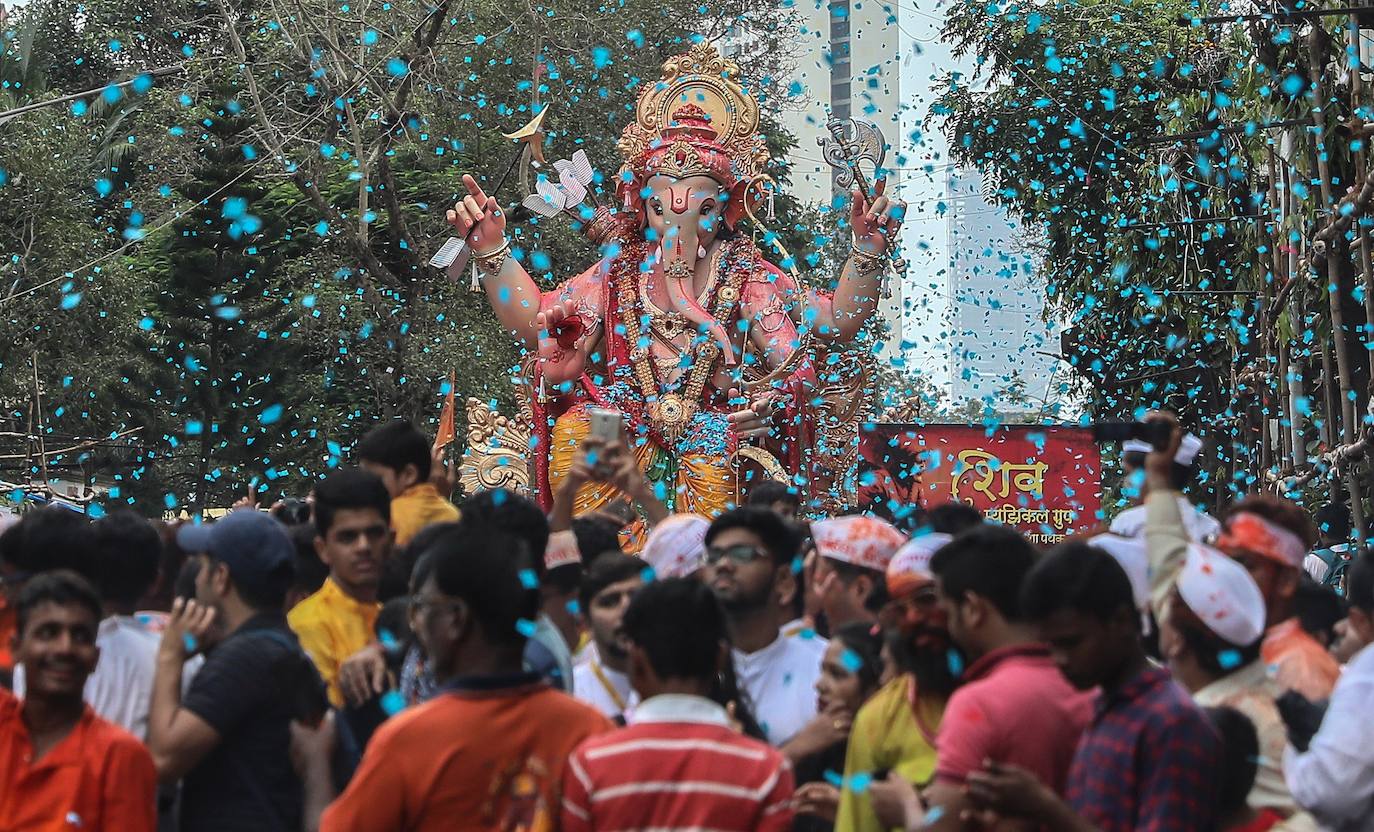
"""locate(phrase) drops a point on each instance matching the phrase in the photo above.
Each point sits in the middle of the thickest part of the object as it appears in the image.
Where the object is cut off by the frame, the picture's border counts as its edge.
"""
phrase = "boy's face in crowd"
(356, 545)
(57, 649)
(396, 482)
(607, 612)
(740, 586)
(1085, 648)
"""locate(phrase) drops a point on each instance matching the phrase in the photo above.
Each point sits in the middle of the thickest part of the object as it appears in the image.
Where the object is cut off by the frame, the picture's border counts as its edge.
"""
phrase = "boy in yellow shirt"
(353, 538)
(400, 455)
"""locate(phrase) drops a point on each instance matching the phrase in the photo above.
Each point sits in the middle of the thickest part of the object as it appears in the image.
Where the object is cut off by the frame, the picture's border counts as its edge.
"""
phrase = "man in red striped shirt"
(681, 765)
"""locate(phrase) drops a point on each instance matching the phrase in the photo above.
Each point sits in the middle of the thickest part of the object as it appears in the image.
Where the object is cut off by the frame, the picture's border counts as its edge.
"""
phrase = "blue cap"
(253, 544)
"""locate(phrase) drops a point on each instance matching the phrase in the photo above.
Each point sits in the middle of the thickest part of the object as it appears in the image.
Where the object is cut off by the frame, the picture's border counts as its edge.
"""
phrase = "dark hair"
(989, 561)
(680, 626)
(128, 556)
(50, 538)
(595, 536)
(865, 642)
(1284, 513)
(848, 573)
(349, 488)
(266, 593)
(1215, 655)
(566, 578)
(480, 563)
(396, 445)
(953, 517)
(1079, 577)
(184, 586)
(514, 515)
(1318, 607)
(1333, 520)
(777, 537)
(399, 570)
(607, 569)
(1180, 475)
(394, 620)
(1239, 758)
(768, 492)
(424, 568)
(310, 572)
(59, 586)
(1359, 583)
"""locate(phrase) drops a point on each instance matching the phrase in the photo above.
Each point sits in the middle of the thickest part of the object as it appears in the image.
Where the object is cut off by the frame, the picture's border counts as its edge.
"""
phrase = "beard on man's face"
(929, 654)
(736, 599)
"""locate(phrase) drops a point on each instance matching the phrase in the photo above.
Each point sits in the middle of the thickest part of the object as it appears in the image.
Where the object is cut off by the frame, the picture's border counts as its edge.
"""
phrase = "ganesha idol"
(708, 349)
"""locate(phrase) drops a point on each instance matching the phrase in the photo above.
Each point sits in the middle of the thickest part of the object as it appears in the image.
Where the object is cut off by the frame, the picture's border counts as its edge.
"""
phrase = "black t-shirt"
(249, 689)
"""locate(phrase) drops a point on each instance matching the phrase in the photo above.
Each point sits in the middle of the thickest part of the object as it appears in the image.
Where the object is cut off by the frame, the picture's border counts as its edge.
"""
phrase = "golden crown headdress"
(702, 85)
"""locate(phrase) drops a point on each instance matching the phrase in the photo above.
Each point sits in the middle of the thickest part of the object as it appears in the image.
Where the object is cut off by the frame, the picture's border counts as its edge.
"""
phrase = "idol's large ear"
(746, 199)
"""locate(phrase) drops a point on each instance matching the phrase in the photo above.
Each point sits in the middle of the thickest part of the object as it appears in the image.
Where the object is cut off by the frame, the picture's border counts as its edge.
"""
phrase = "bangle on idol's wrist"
(864, 262)
(492, 261)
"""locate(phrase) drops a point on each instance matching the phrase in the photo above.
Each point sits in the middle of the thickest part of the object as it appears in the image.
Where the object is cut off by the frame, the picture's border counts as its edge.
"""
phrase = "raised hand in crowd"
(896, 802)
(364, 675)
(827, 728)
(819, 798)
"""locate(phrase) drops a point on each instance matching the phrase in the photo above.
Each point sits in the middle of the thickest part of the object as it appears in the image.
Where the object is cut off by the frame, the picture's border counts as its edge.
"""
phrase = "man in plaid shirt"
(1149, 760)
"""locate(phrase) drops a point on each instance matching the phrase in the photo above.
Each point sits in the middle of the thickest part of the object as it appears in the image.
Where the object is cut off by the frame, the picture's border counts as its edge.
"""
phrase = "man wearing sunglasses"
(750, 555)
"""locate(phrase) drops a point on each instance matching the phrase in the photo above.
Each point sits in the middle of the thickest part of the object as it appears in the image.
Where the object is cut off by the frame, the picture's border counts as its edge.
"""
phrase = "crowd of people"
(377, 658)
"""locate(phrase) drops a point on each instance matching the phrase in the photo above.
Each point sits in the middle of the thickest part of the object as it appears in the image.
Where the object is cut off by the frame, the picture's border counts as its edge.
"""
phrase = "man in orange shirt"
(487, 752)
(61, 766)
(400, 455)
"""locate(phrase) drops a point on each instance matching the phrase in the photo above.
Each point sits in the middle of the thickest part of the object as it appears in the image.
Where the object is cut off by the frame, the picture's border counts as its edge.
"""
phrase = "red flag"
(447, 431)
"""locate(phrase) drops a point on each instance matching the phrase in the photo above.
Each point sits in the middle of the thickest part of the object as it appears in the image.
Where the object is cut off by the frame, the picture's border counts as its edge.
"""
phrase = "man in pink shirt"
(1013, 705)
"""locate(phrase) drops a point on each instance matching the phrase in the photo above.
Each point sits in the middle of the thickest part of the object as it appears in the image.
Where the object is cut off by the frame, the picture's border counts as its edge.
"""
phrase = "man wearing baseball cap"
(1270, 537)
(852, 557)
(1202, 527)
(228, 740)
(1210, 635)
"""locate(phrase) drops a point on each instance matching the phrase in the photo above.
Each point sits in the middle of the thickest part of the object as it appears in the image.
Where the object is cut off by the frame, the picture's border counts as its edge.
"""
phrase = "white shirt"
(589, 687)
(122, 685)
(1334, 778)
(681, 707)
(1201, 526)
(780, 681)
(1317, 568)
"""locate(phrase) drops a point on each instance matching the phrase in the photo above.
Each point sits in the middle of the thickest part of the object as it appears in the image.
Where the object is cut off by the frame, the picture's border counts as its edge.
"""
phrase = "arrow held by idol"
(455, 254)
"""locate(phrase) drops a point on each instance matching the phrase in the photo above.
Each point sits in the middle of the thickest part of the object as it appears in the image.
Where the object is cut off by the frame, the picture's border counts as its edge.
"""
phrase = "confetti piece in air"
(525, 627)
(392, 702)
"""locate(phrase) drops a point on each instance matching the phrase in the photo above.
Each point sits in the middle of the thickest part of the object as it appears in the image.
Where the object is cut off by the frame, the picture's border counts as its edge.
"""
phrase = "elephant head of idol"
(685, 195)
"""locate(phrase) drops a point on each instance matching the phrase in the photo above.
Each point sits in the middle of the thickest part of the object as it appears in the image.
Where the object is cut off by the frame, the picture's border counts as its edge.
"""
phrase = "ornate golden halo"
(706, 79)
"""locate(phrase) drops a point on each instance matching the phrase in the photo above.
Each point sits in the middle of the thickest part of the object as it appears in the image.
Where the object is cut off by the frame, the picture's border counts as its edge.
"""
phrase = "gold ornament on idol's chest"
(671, 412)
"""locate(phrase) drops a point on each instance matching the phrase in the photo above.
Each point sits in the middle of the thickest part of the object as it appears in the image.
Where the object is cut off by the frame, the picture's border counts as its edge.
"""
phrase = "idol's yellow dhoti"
(701, 482)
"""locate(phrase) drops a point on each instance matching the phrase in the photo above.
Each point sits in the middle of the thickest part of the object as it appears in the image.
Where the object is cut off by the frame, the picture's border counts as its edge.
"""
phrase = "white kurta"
(780, 681)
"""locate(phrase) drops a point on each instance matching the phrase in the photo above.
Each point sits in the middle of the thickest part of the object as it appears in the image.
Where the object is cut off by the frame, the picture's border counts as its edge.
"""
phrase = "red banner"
(1044, 481)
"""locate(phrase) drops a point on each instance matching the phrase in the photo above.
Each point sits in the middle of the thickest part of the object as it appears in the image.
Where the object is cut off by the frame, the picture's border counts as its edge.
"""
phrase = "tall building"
(997, 340)
(847, 65)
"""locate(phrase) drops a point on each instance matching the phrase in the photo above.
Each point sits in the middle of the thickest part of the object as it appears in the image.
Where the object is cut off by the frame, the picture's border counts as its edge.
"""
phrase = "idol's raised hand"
(876, 225)
(478, 218)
